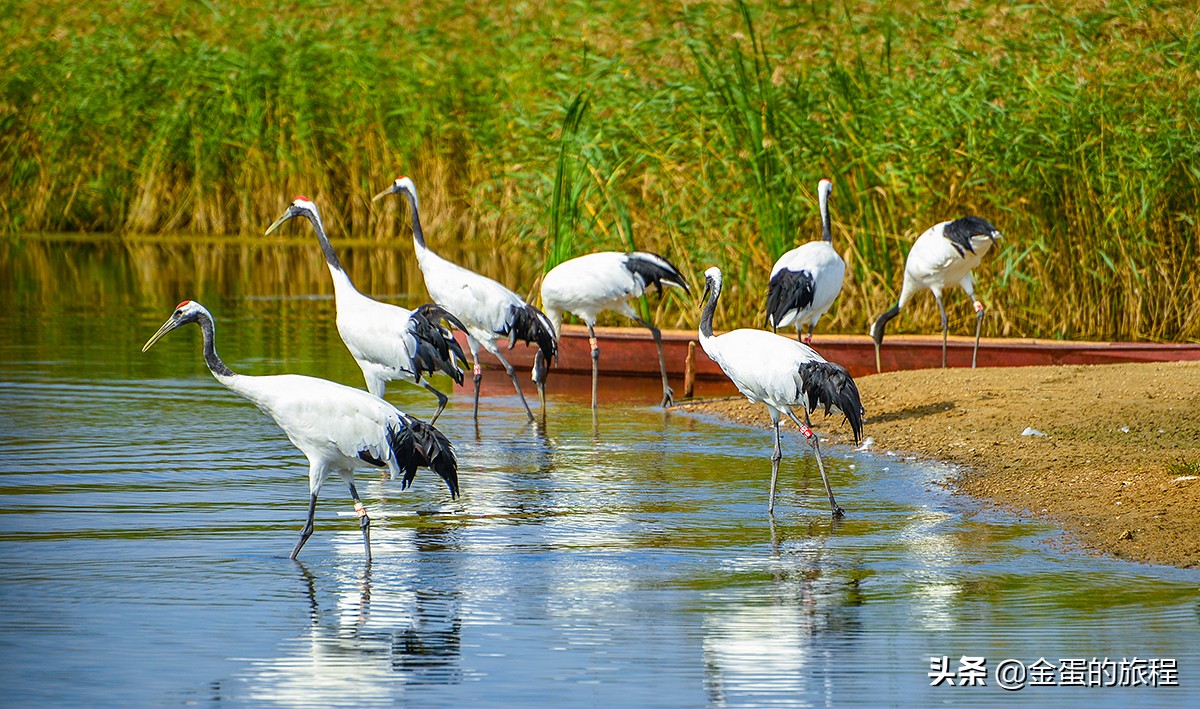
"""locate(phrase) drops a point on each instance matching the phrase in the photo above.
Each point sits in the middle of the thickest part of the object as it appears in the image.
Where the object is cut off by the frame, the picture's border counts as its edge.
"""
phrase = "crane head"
(712, 281)
(186, 312)
(300, 206)
(401, 184)
(825, 186)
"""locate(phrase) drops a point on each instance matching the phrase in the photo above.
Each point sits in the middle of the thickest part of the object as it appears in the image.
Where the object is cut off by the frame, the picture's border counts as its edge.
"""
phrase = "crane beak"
(168, 326)
(291, 212)
(385, 193)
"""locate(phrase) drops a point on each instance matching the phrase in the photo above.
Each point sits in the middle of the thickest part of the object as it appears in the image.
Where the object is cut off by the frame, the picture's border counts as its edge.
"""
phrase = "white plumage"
(388, 342)
(806, 280)
(487, 309)
(338, 428)
(588, 285)
(941, 257)
(782, 374)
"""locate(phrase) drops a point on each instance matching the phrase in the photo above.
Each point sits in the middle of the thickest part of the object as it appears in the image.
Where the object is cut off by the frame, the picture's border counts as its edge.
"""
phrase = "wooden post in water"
(689, 371)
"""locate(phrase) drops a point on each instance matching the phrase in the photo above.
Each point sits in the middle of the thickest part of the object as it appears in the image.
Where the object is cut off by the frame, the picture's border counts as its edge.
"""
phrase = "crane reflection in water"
(370, 636)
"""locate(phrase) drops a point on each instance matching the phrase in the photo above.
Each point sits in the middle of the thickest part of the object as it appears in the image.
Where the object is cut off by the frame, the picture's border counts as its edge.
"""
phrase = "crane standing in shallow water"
(588, 285)
(782, 374)
(487, 309)
(806, 280)
(387, 341)
(943, 256)
(337, 427)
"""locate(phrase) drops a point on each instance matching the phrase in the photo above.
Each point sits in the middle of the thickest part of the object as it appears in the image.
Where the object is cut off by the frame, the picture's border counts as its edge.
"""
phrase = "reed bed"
(540, 131)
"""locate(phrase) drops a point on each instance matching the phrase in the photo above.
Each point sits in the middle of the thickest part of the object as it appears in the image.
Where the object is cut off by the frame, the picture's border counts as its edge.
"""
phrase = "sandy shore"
(1118, 467)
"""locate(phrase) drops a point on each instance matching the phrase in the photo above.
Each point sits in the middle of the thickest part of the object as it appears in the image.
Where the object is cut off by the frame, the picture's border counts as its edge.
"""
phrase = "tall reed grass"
(542, 131)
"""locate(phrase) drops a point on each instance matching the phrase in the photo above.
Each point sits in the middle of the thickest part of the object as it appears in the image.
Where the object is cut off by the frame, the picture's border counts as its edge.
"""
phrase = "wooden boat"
(630, 352)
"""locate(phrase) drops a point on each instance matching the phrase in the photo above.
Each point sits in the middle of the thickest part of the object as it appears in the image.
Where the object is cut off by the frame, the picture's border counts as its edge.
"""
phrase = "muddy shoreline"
(1117, 466)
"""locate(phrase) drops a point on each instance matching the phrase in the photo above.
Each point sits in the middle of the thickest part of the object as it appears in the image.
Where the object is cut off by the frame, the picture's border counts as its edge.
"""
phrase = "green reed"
(1074, 128)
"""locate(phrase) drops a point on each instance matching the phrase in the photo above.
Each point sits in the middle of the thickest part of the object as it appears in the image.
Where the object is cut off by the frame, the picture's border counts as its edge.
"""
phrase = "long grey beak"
(168, 326)
(385, 193)
(286, 216)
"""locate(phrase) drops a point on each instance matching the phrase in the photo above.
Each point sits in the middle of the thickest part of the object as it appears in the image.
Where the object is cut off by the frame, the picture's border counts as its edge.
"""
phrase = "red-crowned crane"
(488, 310)
(943, 256)
(588, 285)
(806, 280)
(387, 341)
(339, 428)
(783, 374)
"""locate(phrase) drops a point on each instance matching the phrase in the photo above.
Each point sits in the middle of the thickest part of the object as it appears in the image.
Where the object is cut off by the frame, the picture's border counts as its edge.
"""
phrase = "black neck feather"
(710, 307)
(211, 358)
(331, 256)
(418, 233)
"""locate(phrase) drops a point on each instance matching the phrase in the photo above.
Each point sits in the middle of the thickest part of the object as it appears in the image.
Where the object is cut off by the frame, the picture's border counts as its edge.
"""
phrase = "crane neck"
(418, 233)
(710, 308)
(211, 358)
(331, 256)
(826, 225)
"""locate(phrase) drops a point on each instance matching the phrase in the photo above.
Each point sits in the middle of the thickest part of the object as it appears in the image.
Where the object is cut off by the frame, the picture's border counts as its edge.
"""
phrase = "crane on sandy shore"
(806, 280)
(338, 428)
(941, 257)
(388, 341)
(488, 310)
(608, 280)
(782, 374)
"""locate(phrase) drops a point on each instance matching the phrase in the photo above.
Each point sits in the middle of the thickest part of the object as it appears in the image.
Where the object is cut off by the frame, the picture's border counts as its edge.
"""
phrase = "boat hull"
(630, 352)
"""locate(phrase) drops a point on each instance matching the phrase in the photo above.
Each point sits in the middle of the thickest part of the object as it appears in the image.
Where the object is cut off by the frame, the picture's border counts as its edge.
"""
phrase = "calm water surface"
(146, 515)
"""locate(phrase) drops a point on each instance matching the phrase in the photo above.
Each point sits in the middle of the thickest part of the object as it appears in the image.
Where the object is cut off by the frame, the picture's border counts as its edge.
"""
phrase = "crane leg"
(442, 399)
(478, 377)
(512, 374)
(945, 328)
(806, 429)
(364, 522)
(308, 526)
(978, 329)
(668, 399)
(540, 372)
(808, 340)
(473, 345)
(595, 364)
(776, 456)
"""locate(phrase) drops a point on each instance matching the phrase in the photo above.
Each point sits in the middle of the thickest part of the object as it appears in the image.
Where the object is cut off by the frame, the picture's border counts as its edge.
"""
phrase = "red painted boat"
(630, 352)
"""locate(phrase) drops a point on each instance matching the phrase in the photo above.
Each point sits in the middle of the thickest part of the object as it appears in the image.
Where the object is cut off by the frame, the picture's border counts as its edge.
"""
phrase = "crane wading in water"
(588, 285)
(943, 256)
(387, 341)
(806, 280)
(782, 374)
(339, 428)
(488, 310)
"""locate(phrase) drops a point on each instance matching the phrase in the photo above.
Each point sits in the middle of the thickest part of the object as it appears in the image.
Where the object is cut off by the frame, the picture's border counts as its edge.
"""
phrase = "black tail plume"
(437, 350)
(417, 444)
(830, 385)
(960, 231)
(789, 290)
(655, 270)
(530, 324)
